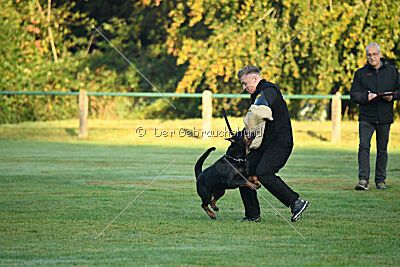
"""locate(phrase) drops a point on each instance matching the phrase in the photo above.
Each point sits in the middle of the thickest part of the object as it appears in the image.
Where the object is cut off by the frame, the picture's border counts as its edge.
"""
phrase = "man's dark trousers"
(265, 164)
(366, 130)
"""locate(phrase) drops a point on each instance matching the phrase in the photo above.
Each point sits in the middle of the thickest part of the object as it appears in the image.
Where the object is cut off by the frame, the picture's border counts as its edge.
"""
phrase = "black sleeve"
(397, 96)
(271, 95)
(358, 94)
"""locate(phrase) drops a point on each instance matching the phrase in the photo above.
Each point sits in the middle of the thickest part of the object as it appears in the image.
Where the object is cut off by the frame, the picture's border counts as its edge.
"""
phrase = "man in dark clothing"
(375, 87)
(275, 149)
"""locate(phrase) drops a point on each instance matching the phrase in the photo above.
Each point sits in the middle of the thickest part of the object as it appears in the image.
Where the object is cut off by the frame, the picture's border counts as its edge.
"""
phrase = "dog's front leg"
(250, 185)
(254, 180)
(247, 168)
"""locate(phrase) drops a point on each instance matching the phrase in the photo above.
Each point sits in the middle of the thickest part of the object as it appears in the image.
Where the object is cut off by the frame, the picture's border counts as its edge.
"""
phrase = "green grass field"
(58, 193)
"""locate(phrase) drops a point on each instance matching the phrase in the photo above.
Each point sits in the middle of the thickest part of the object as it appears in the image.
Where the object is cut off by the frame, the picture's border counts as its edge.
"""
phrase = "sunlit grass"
(181, 132)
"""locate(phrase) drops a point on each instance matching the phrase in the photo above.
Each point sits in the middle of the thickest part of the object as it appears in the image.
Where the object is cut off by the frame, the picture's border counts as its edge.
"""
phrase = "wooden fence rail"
(206, 96)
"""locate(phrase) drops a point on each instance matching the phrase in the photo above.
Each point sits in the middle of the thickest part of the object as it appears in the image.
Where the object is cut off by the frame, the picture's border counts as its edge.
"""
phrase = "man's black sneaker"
(362, 185)
(381, 185)
(297, 208)
(250, 219)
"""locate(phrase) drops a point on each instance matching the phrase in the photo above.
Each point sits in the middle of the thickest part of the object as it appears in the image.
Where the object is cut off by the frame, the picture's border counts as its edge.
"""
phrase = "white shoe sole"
(360, 187)
(294, 218)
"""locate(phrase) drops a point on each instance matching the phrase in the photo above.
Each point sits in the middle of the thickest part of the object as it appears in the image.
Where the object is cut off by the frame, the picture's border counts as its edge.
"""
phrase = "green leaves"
(331, 47)
(190, 46)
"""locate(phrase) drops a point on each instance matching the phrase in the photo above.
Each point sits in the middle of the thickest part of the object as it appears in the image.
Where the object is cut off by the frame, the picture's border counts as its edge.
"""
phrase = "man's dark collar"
(384, 63)
(259, 86)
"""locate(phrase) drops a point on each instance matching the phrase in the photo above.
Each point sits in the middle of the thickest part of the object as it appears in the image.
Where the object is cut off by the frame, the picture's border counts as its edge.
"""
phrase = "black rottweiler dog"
(224, 173)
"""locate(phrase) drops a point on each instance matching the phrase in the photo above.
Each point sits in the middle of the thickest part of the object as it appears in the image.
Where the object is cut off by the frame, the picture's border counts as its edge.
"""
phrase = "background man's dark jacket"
(368, 79)
(278, 131)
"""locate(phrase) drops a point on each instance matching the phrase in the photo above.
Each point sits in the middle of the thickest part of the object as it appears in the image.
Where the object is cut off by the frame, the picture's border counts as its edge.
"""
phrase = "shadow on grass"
(71, 132)
(315, 135)
(191, 133)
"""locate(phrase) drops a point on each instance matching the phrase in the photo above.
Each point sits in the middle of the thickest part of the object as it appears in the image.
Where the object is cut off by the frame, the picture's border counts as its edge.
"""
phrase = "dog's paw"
(255, 182)
(214, 207)
(209, 212)
(257, 185)
(212, 215)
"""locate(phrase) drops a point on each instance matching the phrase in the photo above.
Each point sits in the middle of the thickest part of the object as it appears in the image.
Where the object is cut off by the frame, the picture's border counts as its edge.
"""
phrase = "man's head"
(249, 77)
(374, 55)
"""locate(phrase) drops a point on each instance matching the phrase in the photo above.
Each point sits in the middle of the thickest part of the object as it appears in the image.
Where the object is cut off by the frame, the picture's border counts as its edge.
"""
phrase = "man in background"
(375, 87)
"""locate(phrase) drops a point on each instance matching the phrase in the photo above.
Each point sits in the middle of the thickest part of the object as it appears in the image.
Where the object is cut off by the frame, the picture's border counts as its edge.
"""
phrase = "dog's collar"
(235, 159)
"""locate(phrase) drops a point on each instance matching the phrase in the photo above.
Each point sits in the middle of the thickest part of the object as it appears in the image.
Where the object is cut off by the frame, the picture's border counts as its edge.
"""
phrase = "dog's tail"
(200, 161)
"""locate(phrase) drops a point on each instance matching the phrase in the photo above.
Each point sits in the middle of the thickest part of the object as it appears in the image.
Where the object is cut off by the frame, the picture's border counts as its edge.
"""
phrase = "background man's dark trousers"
(265, 164)
(366, 130)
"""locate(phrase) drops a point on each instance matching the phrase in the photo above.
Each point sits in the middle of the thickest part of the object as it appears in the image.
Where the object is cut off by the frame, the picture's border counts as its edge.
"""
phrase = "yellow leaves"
(195, 20)
(146, 2)
(324, 54)
(196, 12)
(241, 17)
(27, 71)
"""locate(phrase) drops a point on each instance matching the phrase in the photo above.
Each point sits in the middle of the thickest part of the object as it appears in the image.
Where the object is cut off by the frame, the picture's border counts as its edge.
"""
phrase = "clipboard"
(386, 93)
(381, 95)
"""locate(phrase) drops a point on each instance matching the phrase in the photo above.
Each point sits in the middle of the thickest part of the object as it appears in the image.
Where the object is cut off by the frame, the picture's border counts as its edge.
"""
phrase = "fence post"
(83, 114)
(336, 113)
(206, 114)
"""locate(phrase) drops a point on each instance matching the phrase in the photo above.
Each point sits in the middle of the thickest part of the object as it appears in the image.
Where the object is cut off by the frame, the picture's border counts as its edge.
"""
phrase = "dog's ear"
(231, 139)
(252, 136)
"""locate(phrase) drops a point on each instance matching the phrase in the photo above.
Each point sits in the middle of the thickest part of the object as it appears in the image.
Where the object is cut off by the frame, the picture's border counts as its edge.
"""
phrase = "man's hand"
(388, 98)
(371, 96)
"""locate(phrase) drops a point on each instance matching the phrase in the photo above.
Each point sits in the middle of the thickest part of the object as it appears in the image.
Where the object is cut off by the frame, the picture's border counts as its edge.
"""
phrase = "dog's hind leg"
(209, 212)
(205, 196)
(217, 195)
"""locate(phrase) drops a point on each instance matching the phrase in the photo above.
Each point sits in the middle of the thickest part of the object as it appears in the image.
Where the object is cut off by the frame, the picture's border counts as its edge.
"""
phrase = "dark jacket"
(368, 79)
(278, 131)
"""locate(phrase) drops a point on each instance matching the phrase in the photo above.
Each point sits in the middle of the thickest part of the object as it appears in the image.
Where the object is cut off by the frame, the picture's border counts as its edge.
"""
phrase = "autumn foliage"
(184, 47)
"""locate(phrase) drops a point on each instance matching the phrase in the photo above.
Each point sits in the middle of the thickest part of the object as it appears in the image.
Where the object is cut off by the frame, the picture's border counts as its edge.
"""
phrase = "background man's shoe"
(250, 219)
(362, 185)
(297, 208)
(381, 185)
